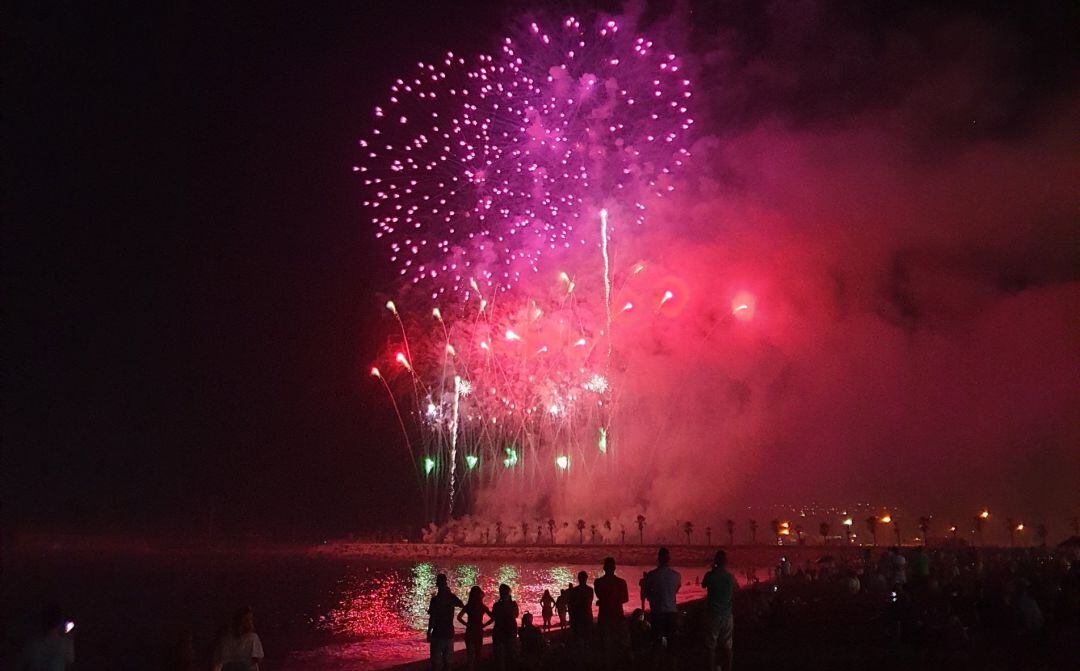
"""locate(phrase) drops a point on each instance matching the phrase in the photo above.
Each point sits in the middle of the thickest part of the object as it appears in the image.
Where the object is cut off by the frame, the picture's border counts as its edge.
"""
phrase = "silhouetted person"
(440, 629)
(720, 586)
(53, 648)
(240, 649)
(472, 616)
(920, 568)
(783, 569)
(547, 608)
(504, 633)
(562, 604)
(580, 606)
(900, 567)
(1028, 614)
(640, 635)
(659, 588)
(533, 643)
(611, 594)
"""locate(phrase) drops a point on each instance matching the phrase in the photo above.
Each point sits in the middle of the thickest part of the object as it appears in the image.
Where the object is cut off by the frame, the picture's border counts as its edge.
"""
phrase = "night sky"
(192, 299)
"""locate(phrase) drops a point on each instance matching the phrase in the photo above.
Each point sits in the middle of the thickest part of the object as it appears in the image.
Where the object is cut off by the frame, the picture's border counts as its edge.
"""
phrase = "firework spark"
(477, 168)
(478, 173)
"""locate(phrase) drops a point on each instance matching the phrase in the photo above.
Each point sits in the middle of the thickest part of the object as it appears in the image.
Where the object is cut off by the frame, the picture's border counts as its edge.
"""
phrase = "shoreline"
(636, 554)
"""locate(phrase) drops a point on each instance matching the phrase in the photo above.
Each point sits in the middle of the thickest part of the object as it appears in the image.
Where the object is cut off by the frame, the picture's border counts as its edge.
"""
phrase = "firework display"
(503, 185)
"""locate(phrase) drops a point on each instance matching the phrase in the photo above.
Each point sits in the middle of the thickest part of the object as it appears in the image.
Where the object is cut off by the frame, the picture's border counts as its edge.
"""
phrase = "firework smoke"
(867, 301)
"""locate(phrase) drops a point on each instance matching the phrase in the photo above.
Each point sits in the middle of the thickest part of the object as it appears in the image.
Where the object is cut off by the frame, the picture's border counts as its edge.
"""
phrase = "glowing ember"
(511, 457)
(742, 306)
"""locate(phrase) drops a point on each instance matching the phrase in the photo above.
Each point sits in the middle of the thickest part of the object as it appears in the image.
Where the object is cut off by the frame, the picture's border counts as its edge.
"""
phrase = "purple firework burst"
(479, 168)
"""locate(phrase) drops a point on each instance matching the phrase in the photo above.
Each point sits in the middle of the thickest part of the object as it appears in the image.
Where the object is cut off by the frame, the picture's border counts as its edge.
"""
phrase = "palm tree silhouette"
(688, 528)
(551, 531)
(708, 535)
(823, 529)
(753, 532)
(641, 529)
(524, 533)
(581, 532)
(730, 524)
(896, 529)
(871, 526)
(798, 534)
(775, 524)
(979, 528)
(1010, 524)
(924, 529)
(539, 532)
(607, 526)
(592, 530)
(498, 531)
(622, 534)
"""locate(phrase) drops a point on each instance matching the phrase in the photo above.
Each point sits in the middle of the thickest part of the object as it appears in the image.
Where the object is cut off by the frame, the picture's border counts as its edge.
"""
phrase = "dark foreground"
(994, 610)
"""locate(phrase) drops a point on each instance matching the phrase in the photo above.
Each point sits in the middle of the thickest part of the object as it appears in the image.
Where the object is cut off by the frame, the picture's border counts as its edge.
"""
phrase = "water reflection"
(378, 612)
(464, 578)
(392, 601)
(370, 608)
(508, 576)
(560, 577)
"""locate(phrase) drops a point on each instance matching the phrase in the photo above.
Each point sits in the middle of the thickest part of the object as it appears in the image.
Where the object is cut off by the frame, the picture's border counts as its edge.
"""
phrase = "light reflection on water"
(391, 601)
